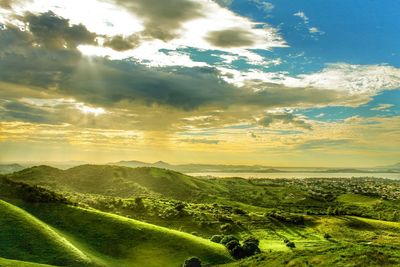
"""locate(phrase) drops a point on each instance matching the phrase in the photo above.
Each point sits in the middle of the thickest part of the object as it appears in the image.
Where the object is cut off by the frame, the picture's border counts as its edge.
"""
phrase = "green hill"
(63, 235)
(115, 180)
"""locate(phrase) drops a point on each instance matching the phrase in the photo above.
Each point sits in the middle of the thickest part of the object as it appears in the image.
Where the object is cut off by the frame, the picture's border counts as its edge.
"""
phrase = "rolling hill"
(114, 180)
(66, 235)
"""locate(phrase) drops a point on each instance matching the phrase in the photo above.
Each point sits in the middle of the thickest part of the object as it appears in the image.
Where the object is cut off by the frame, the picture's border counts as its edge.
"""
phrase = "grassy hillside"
(13, 263)
(331, 222)
(65, 235)
(26, 238)
(115, 181)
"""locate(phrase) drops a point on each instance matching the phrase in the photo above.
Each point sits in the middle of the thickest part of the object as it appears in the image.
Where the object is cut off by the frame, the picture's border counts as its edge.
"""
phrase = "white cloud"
(383, 107)
(106, 18)
(302, 15)
(365, 80)
(315, 30)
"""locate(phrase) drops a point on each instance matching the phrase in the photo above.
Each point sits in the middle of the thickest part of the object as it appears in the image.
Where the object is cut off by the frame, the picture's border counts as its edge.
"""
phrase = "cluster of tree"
(249, 247)
(32, 193)
(192, 262)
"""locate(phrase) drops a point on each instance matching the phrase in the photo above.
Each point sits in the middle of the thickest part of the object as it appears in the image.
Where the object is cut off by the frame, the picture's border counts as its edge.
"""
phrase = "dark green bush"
(216, 238)
(192, 262)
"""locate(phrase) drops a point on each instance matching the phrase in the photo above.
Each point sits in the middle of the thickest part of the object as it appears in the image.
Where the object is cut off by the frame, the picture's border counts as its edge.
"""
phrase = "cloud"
(231, 38)
(8, 4)
(120, 43)
(315, 30)
(285, 118)
(52, 31)
(358, 81)
(224, 3)
(383, 107)
(163, 19)
(324, 144)
(127, 87)
(302, 15)
(200, 141)
(263, 5)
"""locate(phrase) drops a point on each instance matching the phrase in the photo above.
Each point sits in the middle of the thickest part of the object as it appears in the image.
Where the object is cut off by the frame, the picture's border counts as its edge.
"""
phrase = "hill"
(10, 168)
(116, 181)
(58, 234)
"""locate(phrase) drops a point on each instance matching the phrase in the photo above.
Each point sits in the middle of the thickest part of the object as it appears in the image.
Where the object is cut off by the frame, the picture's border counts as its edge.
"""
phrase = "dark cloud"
(12, 111)
(120, 43)
(163, 19)
(224, 3)
(231, 38)
(8, 4)
(285, 118)
(53, 31)
(110, 83)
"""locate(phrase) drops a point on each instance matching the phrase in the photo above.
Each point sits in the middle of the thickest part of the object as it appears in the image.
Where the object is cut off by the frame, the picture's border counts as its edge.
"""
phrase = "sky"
(280, 83)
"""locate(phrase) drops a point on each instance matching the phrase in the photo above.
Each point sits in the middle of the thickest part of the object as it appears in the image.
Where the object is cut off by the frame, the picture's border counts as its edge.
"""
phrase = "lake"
(296, 175)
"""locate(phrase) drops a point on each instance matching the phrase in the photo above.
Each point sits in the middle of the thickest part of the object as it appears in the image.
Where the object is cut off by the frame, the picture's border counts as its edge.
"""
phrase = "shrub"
(226, 228)
(250, 246)
(192, 262)
(232, 244)
(225, 240)
(327, 236)
(290, 244)
(237, 252)
(216, 238)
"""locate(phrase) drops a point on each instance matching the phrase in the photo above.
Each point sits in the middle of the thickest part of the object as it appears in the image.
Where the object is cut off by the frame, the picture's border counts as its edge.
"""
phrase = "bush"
(192, 262)
(327, 236)
(226, 228)
(290, 244)
(237, 252)
(232, 244)
(225, 240)
(250, 246)
(216, 238)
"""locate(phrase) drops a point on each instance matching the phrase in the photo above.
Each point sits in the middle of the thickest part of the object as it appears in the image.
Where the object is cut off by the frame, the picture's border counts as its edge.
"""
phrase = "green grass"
(359, 200)
(339, 256)
(67, 235)
(24, 237)
(13, 263)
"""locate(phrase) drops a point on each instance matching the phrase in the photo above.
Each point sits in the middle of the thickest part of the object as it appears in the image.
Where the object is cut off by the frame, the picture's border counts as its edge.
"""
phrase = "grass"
(68, 235)
(358, 200)
(59, 234)
(13, 263)
(26, 238)
(339, 256)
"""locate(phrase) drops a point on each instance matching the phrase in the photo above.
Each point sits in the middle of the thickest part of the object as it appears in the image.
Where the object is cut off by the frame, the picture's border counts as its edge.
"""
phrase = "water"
(296, 175)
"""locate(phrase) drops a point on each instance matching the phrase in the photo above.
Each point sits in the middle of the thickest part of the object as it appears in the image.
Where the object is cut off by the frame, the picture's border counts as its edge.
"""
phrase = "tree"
(139, 203)
(250, 246)
(228, 238)
(290, 244)
(192, 262)
(235, 249)
(216, 238)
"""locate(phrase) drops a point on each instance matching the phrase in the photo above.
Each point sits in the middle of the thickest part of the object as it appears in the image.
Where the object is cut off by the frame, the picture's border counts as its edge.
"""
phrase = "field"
(118, 216)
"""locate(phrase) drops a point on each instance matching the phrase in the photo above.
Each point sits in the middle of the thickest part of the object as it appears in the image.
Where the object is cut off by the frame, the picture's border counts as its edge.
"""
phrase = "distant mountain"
(187, 168)
(395, 166)
(204, 168)
(10, 168)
